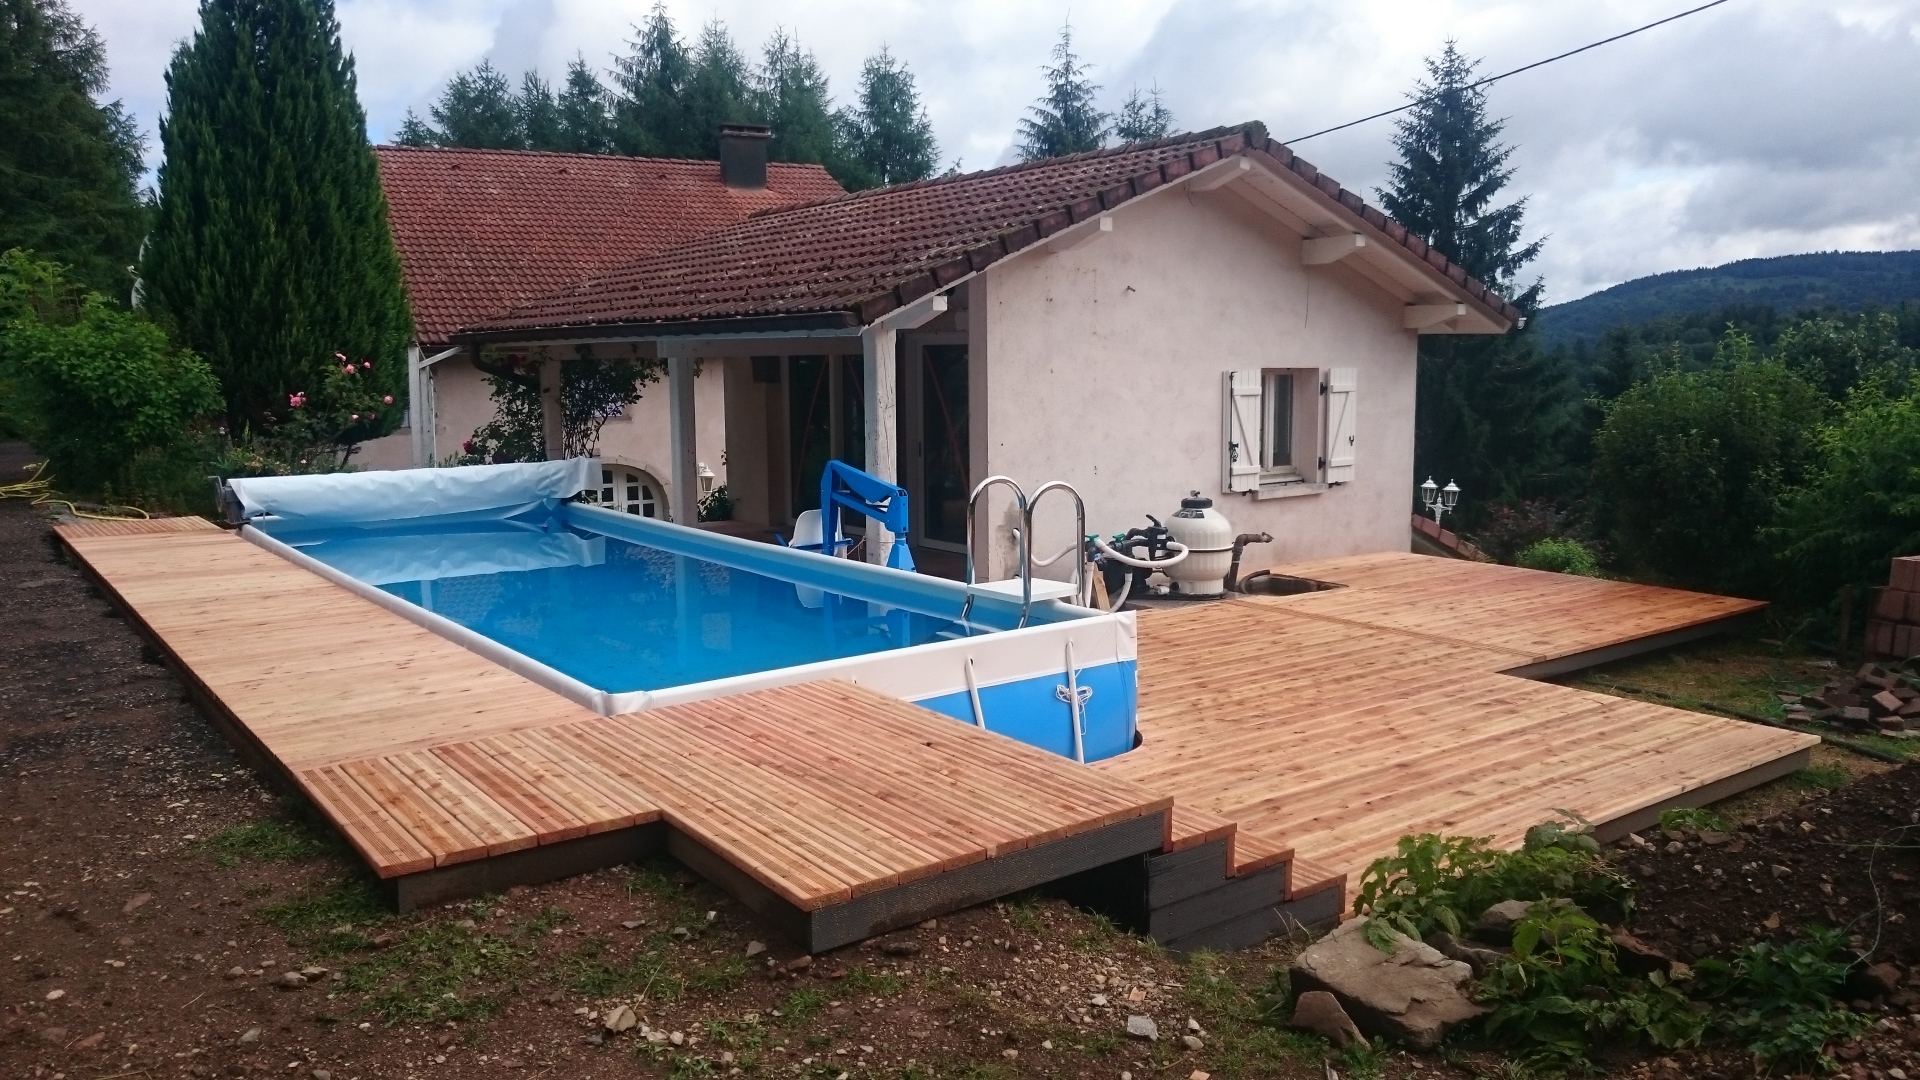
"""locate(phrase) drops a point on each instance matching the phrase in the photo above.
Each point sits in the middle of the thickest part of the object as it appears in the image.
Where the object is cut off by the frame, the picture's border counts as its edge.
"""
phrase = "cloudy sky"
(1760, 127)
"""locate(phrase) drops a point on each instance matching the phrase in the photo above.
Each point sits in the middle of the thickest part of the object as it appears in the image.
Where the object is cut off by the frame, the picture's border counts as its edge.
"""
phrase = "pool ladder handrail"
(1022, 537)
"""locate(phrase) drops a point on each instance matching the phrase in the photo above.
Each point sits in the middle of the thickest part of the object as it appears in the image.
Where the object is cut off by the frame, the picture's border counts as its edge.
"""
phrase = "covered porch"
(896, 398)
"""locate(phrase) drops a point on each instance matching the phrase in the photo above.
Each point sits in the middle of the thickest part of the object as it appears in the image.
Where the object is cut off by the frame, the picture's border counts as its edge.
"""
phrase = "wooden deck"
(427, 756)
(1288, 741)
(1336, 722)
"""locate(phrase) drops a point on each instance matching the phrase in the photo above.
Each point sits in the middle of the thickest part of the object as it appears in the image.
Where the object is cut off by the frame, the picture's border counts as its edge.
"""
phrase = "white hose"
(1179, 552)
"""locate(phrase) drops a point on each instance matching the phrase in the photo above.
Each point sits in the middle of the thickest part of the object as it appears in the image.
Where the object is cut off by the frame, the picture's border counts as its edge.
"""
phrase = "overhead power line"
(1505, 74)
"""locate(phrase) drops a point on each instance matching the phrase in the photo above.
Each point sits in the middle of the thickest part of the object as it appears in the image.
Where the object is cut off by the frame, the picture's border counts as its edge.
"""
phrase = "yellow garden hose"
(41, 493)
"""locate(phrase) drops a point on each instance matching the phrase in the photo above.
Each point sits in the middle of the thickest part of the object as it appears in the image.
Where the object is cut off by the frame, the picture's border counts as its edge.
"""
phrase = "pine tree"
(477, 110)
(537, 114)
(585, 126)
(1496, 415)
(719, 91)
(651, 117)
(888, 135)
(416, 132)
(69, 165)
(1451, 169)
(1143, 117)
(270, 251)
(1064, 120)
(792, 95)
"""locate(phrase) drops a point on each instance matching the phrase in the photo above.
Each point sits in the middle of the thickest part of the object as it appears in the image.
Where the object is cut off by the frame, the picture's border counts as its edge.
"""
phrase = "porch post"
(553, 425)
(685, 480)
(417, 409)
(877, 353)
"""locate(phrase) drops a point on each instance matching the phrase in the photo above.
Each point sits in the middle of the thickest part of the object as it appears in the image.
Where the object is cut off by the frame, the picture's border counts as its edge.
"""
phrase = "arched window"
(630, 490)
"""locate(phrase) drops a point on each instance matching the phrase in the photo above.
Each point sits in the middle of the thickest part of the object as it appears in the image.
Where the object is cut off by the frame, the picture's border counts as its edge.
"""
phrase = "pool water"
(617, 615)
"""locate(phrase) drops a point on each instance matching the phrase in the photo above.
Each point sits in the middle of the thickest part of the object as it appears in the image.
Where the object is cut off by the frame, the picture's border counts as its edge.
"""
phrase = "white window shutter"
(1342, 390)
(1240, 432)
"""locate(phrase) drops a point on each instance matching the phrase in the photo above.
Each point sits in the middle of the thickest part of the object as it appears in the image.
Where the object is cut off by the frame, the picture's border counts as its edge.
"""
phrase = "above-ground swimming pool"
(623, 613)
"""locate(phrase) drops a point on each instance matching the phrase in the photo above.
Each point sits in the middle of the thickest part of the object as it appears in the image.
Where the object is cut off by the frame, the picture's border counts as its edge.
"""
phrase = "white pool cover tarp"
(362, 497)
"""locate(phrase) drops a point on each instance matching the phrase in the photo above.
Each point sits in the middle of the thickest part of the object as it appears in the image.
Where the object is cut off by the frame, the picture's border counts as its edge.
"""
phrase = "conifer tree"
(718, 92)
(1496, 415)
(651, 116)
(416, 132)
(1143, 117)
(585, 126)
(478, 110)
(793, 97)
(888, 135)
(537, 114)
(1064, 120)
(69, 165)
(270, 251)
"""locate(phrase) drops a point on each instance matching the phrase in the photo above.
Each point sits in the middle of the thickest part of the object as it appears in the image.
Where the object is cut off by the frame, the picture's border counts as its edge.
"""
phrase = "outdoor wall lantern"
(1439, 500)
(706, 480)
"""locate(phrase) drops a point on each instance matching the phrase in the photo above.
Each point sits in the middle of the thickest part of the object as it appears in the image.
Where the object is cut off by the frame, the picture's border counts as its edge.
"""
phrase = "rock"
(632, 924)
(54, 1035)
(56, 995)
(1636, 957)
(236, 972)
(900, 948)
(467, 924)
(1713, 838)
(755, 948)
(1194, 1028)
(1495, 925)
(797, 965)
(620, 1019)
(1779, 871)
(1873, 981)
(313, 971)
(91, 1041)
(1143, 1027)
(320, 1074)
(1099, 1001)
(1320, 1012)
(138, 901)
(1199, 1074)
(1192, 1042)
(1478, 958)
(677, 1038)
(1413, 994)
(1010, 1054)
(681, 933)
(250, 1036)
(290, 980)
(930, 924)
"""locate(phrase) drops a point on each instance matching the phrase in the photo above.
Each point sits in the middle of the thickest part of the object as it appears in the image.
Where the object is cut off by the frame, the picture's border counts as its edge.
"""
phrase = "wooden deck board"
(1338, 721)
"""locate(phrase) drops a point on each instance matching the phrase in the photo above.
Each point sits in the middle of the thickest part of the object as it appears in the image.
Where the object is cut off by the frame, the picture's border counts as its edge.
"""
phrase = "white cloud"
(1759, 127)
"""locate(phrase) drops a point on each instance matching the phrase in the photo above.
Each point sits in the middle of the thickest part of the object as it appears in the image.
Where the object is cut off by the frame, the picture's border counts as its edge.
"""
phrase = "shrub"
(1561, 556)
(1687, 466)
(1860, 506)
(1510, 529)
(101, 391)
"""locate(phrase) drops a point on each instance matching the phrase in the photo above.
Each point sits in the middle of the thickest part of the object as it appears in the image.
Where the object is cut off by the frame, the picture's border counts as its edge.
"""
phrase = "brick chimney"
(743, 155)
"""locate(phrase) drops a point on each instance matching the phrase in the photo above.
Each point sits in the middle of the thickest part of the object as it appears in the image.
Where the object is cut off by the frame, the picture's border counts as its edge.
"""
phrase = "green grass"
(865, 981)
(268, 841)
(437, 973)
(802, 1005)
(330, 921)
(1820, 777)
(1697, 818)
(592, 970)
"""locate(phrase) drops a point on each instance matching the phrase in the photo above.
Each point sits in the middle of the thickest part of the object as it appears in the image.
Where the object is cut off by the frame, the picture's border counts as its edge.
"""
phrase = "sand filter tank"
(1208, 538)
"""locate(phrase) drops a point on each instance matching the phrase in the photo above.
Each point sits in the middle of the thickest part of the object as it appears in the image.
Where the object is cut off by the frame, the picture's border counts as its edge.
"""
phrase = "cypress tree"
(69, 165)
(1497, 415)
(1064, 120)
(888, 135)
(270, 251)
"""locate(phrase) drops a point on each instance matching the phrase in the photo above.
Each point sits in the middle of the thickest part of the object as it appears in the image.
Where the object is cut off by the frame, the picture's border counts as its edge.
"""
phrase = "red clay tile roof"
(850, 260)
(481, 231)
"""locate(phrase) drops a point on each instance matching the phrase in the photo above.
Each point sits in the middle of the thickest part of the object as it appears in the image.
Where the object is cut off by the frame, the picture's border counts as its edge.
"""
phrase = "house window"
(1276, 422)
(630, 491)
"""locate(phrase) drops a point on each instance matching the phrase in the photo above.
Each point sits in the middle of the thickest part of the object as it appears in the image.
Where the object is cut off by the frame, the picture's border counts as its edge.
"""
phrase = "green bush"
(1561, 556)
(1860, 506)
(1688, 465)
(101, 391)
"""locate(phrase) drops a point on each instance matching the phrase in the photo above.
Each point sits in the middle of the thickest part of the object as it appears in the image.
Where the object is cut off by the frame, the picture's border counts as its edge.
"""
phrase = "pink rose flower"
(355, 417)
(388, 400)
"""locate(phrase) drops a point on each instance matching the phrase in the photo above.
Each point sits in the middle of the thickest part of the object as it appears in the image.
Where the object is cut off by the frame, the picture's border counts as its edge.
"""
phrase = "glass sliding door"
(938, 439)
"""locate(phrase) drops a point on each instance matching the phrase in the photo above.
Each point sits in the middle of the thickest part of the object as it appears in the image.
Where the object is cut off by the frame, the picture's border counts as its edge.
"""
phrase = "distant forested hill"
(1844, 280)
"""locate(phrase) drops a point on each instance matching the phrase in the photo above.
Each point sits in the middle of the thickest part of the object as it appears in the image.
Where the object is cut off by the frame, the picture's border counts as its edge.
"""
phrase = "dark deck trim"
(1608, 831)
(1580, 661)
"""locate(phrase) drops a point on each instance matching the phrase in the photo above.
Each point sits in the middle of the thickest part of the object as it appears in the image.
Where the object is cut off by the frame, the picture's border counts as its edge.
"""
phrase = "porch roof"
(848, 261)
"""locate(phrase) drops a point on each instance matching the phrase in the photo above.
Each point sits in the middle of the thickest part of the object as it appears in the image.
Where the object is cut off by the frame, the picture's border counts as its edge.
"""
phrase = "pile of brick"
(1873, 699)
(1893, 626)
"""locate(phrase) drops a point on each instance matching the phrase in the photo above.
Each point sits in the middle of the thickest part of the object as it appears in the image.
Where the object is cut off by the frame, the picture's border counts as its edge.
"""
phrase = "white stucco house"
(1202, 313)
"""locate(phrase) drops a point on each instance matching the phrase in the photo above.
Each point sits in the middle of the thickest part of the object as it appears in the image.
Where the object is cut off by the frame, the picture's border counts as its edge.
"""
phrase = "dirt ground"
(164, 913)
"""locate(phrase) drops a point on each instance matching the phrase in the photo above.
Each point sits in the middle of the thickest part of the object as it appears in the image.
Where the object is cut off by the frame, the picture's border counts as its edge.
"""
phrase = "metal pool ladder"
(1023, 542)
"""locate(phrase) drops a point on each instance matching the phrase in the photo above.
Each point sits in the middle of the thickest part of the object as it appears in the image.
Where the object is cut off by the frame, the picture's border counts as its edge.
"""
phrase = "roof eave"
(825, 323)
